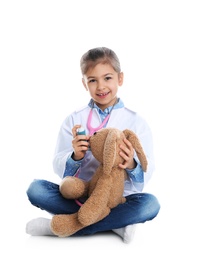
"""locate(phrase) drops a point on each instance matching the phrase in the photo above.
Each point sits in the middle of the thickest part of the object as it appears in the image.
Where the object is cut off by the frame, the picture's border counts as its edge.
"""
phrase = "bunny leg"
(96, 206)
(64, 225)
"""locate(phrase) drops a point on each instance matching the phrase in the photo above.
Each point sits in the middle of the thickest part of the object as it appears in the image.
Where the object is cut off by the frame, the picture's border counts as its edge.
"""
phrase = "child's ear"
(120, 78)
(84, 84)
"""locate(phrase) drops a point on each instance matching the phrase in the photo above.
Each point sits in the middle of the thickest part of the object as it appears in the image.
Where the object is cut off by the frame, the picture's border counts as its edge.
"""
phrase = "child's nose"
(100, 85)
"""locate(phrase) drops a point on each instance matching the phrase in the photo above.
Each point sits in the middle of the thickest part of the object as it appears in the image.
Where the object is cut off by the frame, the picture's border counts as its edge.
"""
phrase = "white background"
(41, 43)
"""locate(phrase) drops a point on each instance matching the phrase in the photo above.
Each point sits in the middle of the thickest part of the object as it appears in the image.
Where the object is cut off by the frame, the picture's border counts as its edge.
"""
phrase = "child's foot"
(127, 233)
(39, 227)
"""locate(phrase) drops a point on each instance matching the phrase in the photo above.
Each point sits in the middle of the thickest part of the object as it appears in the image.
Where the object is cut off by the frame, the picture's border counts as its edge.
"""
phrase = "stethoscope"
(91, 129)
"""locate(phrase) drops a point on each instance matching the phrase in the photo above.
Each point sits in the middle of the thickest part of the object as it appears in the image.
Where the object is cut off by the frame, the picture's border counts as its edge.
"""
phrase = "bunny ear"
(132, 137)
(109, 152)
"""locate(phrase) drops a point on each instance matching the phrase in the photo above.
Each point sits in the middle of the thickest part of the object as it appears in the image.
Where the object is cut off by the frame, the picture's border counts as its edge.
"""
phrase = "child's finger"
(74, 130)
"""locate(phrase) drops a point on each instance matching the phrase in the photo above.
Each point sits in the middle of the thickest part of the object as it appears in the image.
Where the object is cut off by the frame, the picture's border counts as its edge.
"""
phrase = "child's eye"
(108, 78)
(92, 80)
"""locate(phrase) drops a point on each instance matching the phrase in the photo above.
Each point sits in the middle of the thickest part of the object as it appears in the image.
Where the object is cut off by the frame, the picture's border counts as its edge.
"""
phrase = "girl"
(101, 77)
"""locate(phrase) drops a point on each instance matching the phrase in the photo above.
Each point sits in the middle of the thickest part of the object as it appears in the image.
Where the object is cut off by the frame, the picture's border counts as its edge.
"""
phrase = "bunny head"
(105, 144)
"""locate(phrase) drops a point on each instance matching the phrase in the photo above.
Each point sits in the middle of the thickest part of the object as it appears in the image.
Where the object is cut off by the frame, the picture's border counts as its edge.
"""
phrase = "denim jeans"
(138, 208)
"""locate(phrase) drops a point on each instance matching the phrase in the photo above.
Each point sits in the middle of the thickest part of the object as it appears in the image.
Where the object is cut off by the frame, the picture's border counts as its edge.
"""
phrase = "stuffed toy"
(105, 189)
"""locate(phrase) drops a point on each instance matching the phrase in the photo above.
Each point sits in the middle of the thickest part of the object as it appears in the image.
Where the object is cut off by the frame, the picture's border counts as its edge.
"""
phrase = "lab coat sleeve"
(137, 177)
(144, 134)
(63, 149)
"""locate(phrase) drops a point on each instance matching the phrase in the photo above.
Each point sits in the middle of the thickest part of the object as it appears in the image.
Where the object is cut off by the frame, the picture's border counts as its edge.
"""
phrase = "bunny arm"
(73, 188)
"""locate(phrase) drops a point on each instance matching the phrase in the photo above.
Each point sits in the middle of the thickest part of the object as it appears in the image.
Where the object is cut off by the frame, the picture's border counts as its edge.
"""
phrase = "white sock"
(39, 227)
(127, 233)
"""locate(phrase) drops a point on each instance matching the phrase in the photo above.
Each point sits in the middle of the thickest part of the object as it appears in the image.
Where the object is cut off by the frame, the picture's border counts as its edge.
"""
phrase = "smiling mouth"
(103, 94)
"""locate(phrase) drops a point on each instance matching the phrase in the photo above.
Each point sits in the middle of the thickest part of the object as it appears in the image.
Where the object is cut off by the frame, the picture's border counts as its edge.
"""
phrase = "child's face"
(102, 82)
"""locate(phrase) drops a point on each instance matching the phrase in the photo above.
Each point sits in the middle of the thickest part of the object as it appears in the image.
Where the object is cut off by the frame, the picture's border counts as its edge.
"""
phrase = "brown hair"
(99, 55)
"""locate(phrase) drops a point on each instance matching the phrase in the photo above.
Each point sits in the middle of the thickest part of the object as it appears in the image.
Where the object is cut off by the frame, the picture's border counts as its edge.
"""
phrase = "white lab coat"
(121, 118)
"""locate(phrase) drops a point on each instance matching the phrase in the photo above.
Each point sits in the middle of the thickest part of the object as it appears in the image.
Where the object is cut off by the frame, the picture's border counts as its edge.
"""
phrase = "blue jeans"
(138, 208)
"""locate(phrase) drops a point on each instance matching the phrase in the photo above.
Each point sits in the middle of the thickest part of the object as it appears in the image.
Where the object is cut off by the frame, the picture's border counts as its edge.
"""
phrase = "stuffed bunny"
(105, 189)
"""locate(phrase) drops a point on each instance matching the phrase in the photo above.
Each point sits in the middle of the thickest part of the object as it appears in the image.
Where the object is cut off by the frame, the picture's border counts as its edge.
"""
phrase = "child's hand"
(127, 153)
(80, 144)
